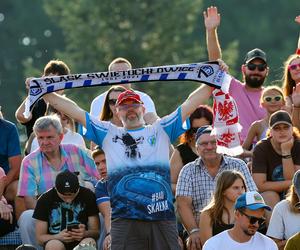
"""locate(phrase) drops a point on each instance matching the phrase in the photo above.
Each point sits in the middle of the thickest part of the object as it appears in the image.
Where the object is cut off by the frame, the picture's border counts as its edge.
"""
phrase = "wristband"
(194, 230)
(107, 234)
(286, 156)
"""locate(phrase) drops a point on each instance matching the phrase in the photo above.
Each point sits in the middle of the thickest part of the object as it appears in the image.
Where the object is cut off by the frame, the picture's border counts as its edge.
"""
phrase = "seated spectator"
(249, 211)
(285, 219)
(39, 169)
(218, 215)
(70, 136)
(272, 100)
(10, 162)
(276, 159)
(66, 215)
(100, 162)
(186, 151)
(7, 222)
(197, 179)
(109, 112)
(102, 196)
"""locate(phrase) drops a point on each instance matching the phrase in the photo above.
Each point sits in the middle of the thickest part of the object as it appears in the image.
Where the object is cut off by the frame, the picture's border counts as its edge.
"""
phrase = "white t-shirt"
(97, 103)
(224, 241)
(284, 223)
(69, 138)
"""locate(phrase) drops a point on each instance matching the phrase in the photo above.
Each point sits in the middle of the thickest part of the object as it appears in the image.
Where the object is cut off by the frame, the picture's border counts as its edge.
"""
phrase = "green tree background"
(88, 34)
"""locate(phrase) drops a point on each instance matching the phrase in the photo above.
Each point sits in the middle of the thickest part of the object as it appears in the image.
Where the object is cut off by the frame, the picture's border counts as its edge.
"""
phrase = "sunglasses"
(260, 67)
(112, 101)
(128, 106)
(274, 98)
(193, 130)
(253, 219)
(293, 66)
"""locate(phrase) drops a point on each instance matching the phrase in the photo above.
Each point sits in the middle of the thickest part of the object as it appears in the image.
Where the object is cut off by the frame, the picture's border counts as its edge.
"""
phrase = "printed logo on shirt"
(152, 140)
(130, 144)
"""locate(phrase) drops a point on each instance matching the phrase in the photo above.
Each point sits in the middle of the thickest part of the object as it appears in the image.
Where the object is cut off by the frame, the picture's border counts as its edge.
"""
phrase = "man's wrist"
(194, 230)
(286, 156)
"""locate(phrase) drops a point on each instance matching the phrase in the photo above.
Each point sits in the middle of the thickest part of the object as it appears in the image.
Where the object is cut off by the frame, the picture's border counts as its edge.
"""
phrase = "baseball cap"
(128, 95)
(251, 200)
(67, 182)
(279, 117)
(203, 130)
(255, 53)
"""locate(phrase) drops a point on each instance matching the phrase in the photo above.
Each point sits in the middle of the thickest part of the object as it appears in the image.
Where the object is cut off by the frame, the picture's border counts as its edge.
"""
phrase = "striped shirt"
(195, 181)
(37, 175)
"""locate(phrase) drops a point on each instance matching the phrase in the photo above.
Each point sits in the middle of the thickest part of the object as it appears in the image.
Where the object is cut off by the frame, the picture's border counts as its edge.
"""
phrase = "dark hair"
(56, 67)
(106, 113)
(203, 111)
(97, 151)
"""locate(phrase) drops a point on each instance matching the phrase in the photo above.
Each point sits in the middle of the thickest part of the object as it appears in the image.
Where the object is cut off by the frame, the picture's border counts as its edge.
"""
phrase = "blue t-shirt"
(138, 166)
(9, 141)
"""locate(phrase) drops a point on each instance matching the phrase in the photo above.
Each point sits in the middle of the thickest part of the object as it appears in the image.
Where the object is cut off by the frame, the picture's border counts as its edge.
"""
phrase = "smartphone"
(72, 226)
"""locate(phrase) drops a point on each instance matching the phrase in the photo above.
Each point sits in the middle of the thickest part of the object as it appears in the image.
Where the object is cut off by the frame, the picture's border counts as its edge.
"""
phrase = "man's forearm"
(277, 186)
(187, 217)
(66, 106)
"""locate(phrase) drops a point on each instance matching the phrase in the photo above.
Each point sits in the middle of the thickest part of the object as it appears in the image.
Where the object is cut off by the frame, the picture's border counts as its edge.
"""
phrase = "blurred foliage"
(88, 34)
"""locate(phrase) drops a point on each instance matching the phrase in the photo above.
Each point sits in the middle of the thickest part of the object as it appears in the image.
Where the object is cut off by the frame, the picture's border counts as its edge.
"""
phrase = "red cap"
(128, 95)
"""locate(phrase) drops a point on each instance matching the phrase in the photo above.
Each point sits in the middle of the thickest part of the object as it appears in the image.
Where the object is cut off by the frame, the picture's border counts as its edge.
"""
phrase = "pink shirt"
(248, 103)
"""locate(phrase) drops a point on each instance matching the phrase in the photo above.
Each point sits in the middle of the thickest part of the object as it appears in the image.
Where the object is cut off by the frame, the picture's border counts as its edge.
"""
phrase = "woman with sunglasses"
(185, 152)
(218, 215)
(109, 112)
(271, 100)
(285, 219)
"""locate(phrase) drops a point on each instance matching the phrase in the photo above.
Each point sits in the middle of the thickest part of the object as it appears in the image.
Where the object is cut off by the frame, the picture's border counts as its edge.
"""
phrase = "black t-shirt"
(38, 110)
(59, 214)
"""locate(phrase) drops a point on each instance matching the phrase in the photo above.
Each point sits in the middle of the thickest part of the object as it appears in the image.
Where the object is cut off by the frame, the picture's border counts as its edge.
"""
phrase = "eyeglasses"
(274, 98)
(260, 67)
(128, 106)
(294, 66)
(205, 143)
(112, 101)
(253, 219)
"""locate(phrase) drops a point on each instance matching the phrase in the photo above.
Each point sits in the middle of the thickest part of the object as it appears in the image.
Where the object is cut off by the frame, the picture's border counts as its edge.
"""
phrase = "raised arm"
(297, 19)
(212, 20)
(66, 106)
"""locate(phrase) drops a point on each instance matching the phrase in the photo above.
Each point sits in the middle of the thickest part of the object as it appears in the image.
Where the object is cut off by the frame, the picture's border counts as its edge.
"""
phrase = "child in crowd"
(272, 99)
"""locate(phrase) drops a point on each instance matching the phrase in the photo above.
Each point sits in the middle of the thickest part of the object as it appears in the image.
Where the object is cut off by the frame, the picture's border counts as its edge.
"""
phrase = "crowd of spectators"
(131, 189)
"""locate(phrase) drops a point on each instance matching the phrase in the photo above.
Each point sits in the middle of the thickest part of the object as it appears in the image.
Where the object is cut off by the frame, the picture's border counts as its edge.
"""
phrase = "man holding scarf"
(138, 167)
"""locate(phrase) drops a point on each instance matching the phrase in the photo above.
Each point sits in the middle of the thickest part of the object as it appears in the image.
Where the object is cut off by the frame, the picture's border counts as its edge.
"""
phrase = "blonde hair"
(288, 82)
(119, 60)
(269, 88)
(293, 199)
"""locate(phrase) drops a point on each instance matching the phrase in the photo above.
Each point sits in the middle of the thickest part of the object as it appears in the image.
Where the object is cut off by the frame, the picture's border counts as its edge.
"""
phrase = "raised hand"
(212, 18)
(296, 95)
(297, 19)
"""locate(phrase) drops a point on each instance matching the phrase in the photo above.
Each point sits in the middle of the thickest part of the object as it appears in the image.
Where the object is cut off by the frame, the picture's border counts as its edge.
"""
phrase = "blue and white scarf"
(208, 73)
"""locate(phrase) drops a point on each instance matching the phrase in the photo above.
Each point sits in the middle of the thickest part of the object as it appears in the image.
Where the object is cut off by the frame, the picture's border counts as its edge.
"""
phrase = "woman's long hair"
(216, 207)
(288, 82)
(106, 113)
(293, 199)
